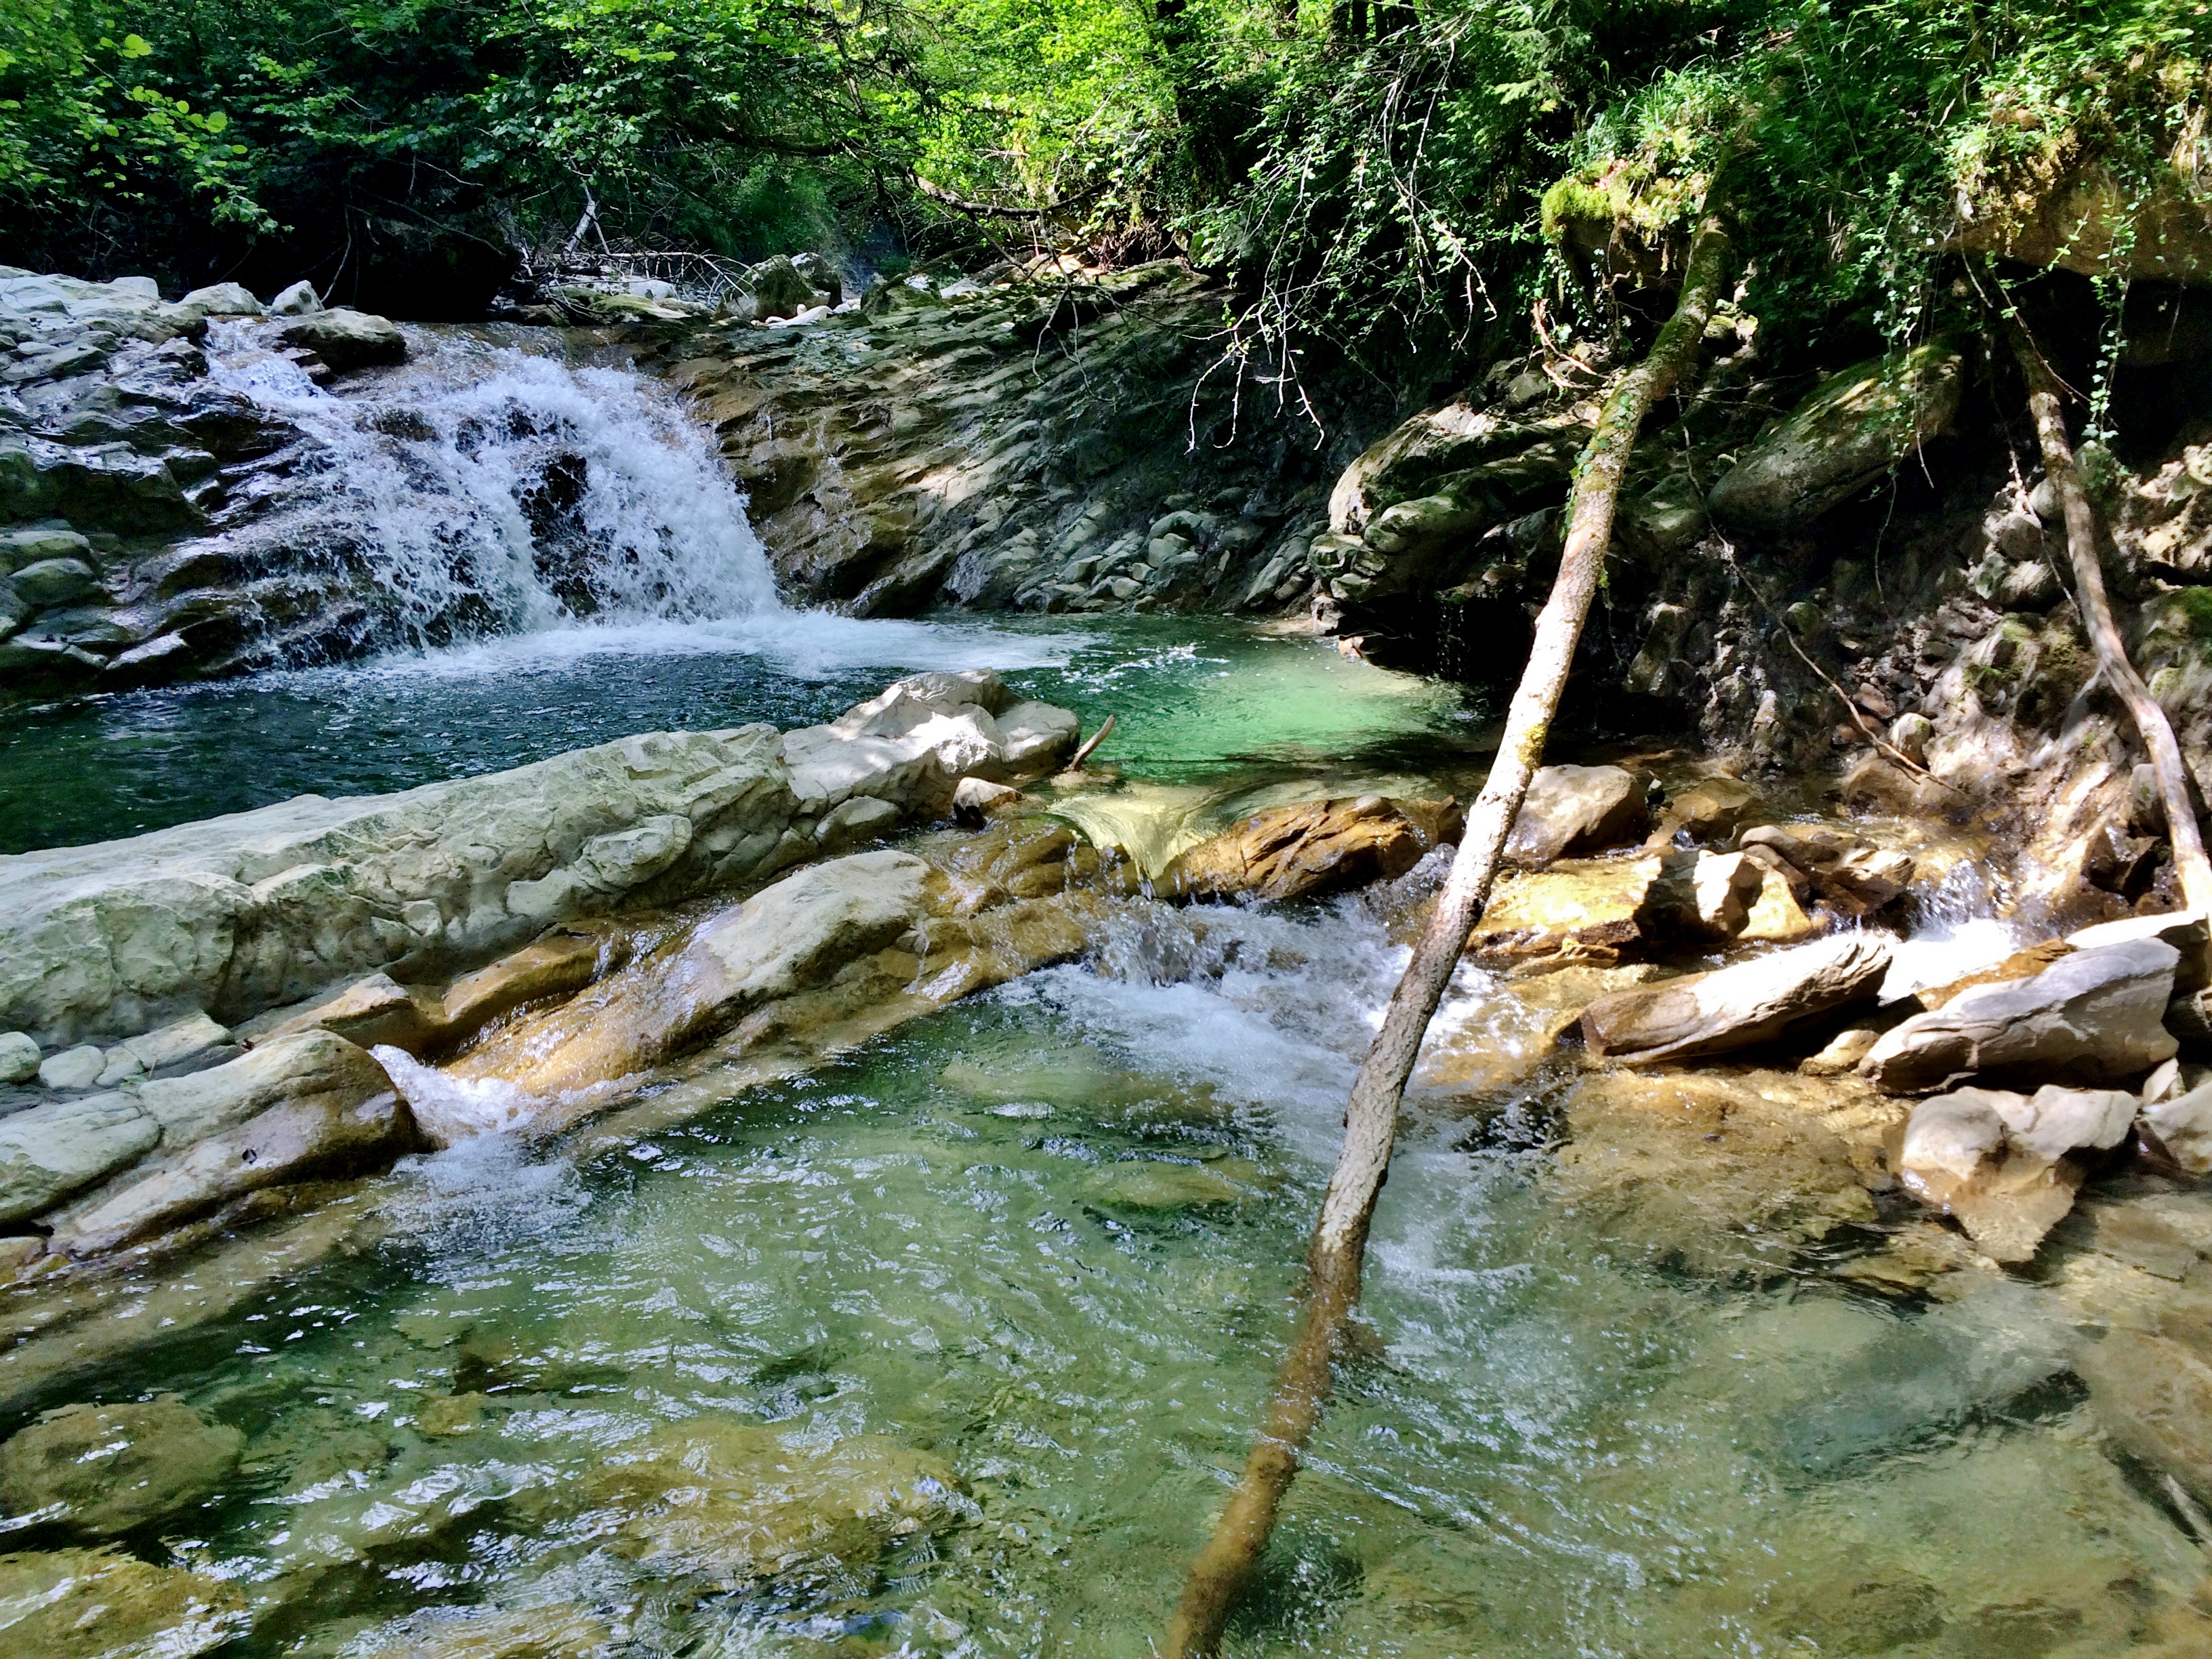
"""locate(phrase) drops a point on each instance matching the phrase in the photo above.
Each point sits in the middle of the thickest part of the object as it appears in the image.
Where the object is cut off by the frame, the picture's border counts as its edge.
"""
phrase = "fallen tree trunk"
(2187, 840)
(1223, 1568)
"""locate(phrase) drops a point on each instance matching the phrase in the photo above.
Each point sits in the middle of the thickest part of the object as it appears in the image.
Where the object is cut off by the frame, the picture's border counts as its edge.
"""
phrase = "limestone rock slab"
(2092, 1017)
(52, 1151)
(1739, 1006)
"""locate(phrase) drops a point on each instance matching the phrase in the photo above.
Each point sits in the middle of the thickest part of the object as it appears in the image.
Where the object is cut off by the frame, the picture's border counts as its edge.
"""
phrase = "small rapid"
(491, 491)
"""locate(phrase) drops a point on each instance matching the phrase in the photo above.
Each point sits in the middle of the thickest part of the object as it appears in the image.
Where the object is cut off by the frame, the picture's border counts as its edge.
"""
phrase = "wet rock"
(345, 338)
(106, 1469)
(2021, 965)
(261, 908)
(73, 1068)
(1573, 811)
(1737, 1007)
(1704, 1171)
(1999, 1161)
(780, 288)
(375, 1010)
(19, 1057)
(302, 1067)
(180, 1046)
(1842, 1053)
(2093, 1017)
(297, 300)
(736, 1502)
(1876, 783)
(794, 933)
(100, 1604)
(1704, 812)
(2153, 1396)
(974, 800)
(51, 1151)
(1852, 429)
(2185, 932)
(316, 1134)
(1311, 848)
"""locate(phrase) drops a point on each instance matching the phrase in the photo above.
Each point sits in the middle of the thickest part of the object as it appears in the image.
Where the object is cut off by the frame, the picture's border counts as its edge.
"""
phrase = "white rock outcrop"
(237, 915)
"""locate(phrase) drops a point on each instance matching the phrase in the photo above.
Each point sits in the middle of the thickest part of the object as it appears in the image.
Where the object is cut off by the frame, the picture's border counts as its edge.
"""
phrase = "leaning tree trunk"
(2156, 731)
(1223, 1568)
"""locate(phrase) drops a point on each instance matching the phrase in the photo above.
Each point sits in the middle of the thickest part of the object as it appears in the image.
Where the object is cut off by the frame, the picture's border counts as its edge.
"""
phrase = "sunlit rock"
(1312, 848)
(106, 1469)
(2092, 1017)
(734, 1502)
(1740, 1006)
(1573, 811)
(2000, 1162)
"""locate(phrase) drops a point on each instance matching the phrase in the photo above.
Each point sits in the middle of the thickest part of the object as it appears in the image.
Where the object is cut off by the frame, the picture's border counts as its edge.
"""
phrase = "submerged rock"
(101, 1603)
(1740, 1006)
(735, 1501)
(1312, 848)
(2153, 1396)
(2093, 1017)
(1156, 1184)
(1704, 1171)
(106, 1469)
(558, 1631)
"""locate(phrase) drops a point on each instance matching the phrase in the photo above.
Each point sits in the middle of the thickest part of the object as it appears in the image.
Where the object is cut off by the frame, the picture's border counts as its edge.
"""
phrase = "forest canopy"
(1392, 183)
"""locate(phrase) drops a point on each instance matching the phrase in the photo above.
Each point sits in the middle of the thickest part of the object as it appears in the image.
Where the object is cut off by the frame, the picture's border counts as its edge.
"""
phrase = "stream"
(1009, 1283)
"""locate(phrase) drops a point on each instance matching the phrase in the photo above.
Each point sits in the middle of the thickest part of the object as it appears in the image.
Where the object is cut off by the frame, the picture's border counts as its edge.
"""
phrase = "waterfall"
(482, 490)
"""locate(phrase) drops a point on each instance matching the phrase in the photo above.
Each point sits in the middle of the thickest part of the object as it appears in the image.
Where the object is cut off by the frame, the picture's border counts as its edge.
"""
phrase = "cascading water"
(482, 490)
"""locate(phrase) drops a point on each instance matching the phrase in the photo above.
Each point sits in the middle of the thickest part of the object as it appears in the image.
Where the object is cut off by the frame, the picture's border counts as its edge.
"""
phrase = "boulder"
(1704, 812)
(18, 548)
(828, 283)
(915, 741)
(974, 800)
(73, 1068)
(1311, 848)
(1573, 811)
(736, 1502)
(1740, 1006)
(54, 582)
(2093, 1017)
(299, 300)
(2000, 1162)
(2185, 931)
(1854, 428)
(53, 1151)
(779, 289)
(108, 1469)
(101, 1603)
(180, 1046)
(305, 1065)
(224, 300)
(345, 338)
(19, 1057)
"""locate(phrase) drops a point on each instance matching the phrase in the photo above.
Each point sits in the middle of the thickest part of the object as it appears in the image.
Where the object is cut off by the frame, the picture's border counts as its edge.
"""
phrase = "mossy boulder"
(1852, 430)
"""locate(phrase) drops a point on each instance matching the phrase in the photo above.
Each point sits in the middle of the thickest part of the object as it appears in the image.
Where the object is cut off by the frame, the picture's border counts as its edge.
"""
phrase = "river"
(1008, 1286)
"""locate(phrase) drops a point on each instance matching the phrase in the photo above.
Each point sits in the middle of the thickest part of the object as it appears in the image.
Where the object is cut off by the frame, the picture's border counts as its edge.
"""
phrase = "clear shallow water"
(1048, 1239)
(117, 766)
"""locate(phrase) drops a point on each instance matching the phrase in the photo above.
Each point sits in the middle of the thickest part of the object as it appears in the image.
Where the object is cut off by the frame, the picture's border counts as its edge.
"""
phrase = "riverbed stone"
(1311, 848)
(73, 1068)
(1740, 1006)
(101, 1603)
(1575, 811)
(1703, 1171)
(108, 1469)
(736, 1502)
(2093, 1017)
(298, 1066)
(19, 1057)
(2153, 1396)
(53, 582)
(51, 1151)
(297, 300)
(180, 1046)
(345, 338)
